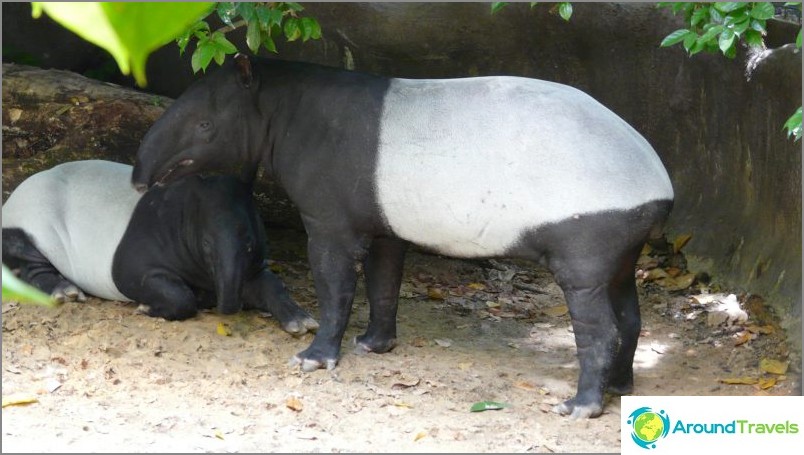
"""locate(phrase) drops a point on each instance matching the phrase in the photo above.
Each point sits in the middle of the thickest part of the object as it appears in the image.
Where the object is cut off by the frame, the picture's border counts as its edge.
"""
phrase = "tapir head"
(207, 127)
(229, 237)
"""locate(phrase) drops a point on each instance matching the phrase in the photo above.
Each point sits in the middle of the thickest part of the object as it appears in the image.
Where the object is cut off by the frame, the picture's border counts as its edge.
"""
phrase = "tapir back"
(465, 166)
(75, 214)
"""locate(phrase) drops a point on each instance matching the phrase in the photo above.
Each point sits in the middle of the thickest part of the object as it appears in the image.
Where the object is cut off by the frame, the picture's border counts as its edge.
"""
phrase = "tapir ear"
(243, 65)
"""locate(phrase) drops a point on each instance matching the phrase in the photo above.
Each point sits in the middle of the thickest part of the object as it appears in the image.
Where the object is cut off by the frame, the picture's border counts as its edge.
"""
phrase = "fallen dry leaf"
(680, 241)
(655, 274)
(405, 383)
(436, 294)
(764, 329)
(556, 311)
(464, 366)
(741, 380)
(742, 337)
(402, 404)
(18, 399)
(767, 383)
(419, 435)
(476, 286)
(443, 342)
(524, 385)
(223, 330)
(419, 342)
(294, 404)
(773, 366)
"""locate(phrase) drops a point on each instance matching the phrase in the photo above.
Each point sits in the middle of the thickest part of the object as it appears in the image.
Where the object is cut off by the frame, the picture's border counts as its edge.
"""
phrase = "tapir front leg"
(383, 268)
(266, 292)
(163, 295)
(332, 261)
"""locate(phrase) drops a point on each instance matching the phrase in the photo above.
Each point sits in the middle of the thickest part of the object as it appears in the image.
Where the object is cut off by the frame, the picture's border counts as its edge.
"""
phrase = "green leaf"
(726, 7)
(253, 35)
(291, 29)
(689, 40)
(496, 6)
(226, 11)
(222, 43)
(294, 6)
(488, 406)
(16, 289)
(268, 17)
(698, 15)
(758, 25)
(726, 40)
(717, 16)
(565, 10)
(793, 125)
(128, 31)
(306, 27)
(675, 37)
(710, 34)
(269, 44)
(246, 10)
(741, 27)
(316, 29)
(762, 11)
(753, 38)
(730, 52)
(200, 27)
(220, 57)
(533, 4)
(204, 53)
(798, 39)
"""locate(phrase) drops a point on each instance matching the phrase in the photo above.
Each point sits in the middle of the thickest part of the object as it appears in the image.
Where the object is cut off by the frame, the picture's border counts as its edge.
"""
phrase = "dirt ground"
(108, 380)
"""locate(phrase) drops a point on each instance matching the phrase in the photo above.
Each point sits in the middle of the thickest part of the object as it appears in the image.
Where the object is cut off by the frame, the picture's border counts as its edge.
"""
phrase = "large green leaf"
(129, 31)
(16, 289)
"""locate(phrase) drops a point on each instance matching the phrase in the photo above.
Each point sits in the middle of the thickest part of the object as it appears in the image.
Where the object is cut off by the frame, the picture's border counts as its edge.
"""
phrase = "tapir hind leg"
(586, 285)
(625, 304)
(266, 292)
(19, 252)
(383, 267)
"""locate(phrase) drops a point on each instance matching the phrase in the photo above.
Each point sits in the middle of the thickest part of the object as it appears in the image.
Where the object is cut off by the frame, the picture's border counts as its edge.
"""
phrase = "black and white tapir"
(475, 167)
(80, 226)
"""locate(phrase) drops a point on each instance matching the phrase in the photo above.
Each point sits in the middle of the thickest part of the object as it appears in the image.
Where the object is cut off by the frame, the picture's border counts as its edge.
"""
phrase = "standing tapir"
(475, 167)
(80, 226)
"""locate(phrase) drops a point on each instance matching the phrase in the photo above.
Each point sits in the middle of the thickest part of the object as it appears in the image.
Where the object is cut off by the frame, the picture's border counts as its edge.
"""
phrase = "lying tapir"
(80, 226)
(475, 167)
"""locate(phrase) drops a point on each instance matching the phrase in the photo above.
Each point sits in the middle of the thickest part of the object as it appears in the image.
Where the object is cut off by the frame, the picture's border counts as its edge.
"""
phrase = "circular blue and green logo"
(648, 426)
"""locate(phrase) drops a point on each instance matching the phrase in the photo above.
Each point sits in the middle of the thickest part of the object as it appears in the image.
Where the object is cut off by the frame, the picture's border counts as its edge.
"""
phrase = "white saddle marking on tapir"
(466, 165)
(76, 214)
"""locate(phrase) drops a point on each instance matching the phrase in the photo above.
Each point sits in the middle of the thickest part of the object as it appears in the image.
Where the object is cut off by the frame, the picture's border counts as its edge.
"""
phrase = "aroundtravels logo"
(648, 426)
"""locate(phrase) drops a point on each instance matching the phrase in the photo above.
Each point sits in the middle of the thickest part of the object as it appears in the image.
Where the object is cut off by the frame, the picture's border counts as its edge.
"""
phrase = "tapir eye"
(204, 125)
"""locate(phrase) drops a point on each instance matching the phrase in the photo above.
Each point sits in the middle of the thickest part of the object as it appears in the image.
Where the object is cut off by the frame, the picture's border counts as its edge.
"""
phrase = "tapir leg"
(332, 261)
(383, 267)
(266, 292)
(626, 311)
(165, 295)
(586, 285)
(20, 253)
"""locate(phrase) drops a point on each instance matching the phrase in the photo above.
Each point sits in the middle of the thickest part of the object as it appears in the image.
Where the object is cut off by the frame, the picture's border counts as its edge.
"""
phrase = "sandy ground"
(108, 380)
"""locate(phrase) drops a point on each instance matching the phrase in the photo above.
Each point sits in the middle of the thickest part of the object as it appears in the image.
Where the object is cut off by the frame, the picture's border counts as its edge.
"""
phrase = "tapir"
(476, 167)
(196, 243)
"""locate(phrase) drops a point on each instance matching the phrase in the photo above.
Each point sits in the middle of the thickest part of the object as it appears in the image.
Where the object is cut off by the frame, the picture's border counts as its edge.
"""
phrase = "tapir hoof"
(68, 292)
(298, 327)
(577, 411)
(309, 365)
(364, 344)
